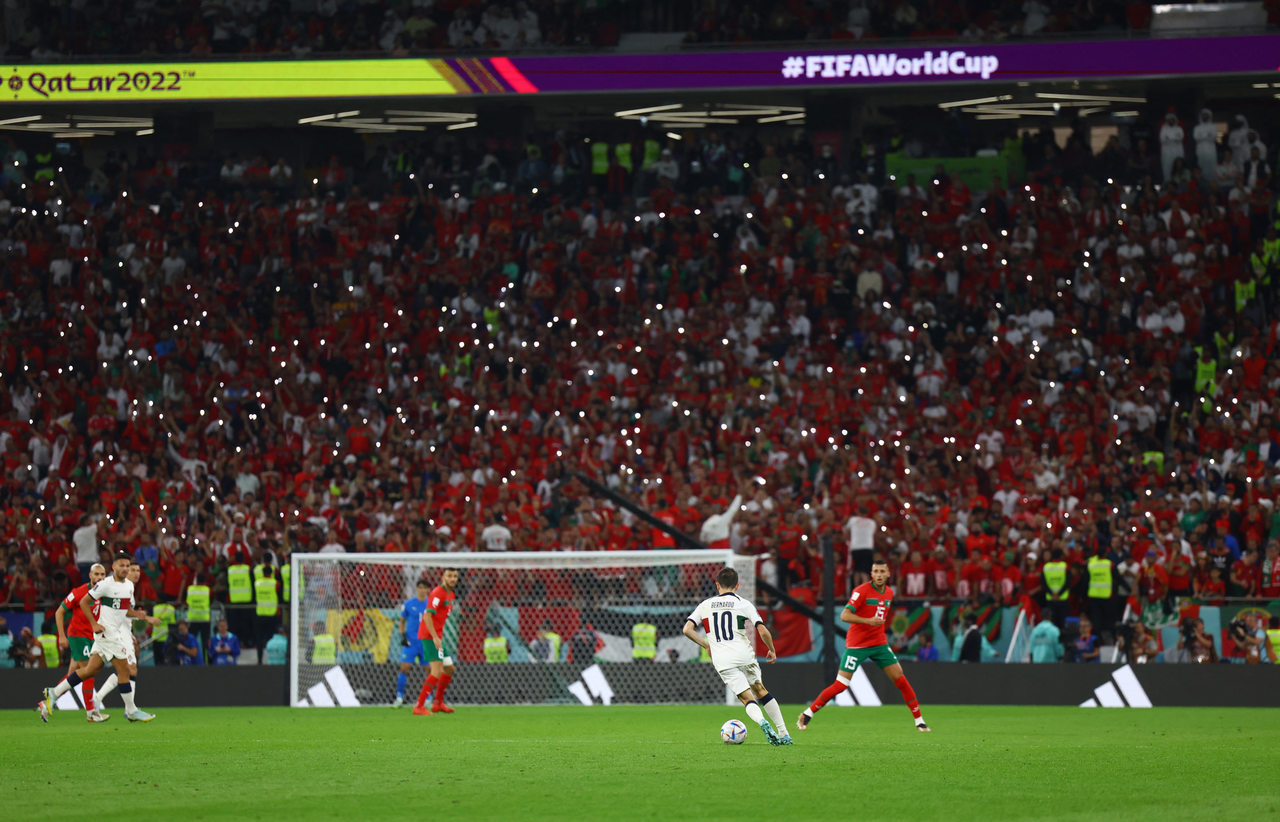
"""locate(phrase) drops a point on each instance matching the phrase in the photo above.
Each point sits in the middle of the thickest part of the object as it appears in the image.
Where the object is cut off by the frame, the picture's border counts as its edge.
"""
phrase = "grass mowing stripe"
(634, 762)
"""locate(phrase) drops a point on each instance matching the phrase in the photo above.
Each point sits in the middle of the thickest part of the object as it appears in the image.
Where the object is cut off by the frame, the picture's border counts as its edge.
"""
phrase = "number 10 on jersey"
(722, 625)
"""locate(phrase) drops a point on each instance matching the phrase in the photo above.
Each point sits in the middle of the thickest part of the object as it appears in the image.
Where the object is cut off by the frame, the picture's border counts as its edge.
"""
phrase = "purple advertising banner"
(857, 66)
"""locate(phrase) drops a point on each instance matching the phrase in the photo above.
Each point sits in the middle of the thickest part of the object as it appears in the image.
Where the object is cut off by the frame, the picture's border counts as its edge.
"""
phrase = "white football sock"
(127, 696)
(775, 716)
(107, 687)
(753, 711)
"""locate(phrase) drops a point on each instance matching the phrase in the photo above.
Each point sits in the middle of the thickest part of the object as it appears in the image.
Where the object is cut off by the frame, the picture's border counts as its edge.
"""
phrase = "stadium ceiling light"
(1055, 106)
(633, 112)
(674, 136)
(321, 117)
(404, 121)
(678, 119)
(47, 126)
(1006, 110)
(975, 101)
(428, 120)
(1044, 95)
(83, 133)
(453, 116)
(27, 119)
(112, 124)
(133, 121)
(998, 107)
(370, 127)
(1085, 112)
(749, 110)
(675, 114)
(1127, 113)
(799, 115)
(458, 126)
(997, 117)
(1262, 85)
(743, 112)
(144, 132)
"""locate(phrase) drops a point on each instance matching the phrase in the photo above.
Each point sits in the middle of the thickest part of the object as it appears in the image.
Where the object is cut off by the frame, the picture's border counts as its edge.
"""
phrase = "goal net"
(568, 620)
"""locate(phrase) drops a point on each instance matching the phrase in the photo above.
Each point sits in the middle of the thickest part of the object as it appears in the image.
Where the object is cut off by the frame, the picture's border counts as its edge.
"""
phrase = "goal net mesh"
(589, 601)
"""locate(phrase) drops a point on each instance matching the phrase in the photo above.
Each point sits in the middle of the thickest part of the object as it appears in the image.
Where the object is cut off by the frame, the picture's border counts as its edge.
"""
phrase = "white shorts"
(740, 677)
(132, 656)
(112, 647)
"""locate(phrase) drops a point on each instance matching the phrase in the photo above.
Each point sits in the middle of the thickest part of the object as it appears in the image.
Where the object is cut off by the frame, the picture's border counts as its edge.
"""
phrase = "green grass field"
(518, 763)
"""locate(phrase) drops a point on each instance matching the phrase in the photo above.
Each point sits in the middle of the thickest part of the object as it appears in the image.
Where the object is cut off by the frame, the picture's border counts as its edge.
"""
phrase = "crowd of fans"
(933, 20)
(208, 363)
(260, 27)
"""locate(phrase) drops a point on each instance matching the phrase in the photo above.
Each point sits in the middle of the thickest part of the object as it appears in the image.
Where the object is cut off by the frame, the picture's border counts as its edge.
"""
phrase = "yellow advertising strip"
(451, 76)
(258, 80)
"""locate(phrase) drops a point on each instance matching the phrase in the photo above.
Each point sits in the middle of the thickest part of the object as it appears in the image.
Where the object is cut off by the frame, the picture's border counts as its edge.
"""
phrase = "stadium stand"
(55, 31)
(216, 356)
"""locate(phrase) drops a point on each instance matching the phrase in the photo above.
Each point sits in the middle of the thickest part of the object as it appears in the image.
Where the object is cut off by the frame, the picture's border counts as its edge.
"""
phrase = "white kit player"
(135, 574)
(112, 638)
(724, 619)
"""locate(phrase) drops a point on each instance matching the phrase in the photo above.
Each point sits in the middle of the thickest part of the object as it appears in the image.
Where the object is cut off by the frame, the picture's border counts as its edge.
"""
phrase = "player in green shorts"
(865, 612)
(431, 630)
(78, 636)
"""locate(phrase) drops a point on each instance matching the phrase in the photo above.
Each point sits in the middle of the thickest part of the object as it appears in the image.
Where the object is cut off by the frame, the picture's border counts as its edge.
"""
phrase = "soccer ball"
(733, 732)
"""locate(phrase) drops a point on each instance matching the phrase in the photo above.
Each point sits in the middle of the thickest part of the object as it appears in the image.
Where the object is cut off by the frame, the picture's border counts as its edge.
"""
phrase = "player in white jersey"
(112, 638)
(131, 646)
(724, 619)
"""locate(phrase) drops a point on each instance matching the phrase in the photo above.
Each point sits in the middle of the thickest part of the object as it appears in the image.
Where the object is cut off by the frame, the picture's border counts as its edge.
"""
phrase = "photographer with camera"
(1138, 643)
(1250, 638)
(1196, 646)
(27, 652)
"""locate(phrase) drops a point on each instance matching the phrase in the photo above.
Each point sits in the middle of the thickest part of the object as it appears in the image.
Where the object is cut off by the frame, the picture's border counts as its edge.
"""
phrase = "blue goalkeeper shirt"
(411, 612)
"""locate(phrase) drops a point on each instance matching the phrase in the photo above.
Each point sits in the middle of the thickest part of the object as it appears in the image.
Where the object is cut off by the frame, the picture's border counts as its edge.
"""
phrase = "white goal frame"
(306, 565)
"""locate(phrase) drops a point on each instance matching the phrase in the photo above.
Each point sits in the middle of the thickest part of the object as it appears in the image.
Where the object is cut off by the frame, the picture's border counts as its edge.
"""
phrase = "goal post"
(567, 618)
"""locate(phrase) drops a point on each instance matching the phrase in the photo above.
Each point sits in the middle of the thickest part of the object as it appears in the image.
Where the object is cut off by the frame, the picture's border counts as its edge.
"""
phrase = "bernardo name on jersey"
(725, 619)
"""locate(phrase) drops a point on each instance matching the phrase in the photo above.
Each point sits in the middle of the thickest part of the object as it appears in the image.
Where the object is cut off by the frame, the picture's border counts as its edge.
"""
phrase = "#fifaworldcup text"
(891, 65)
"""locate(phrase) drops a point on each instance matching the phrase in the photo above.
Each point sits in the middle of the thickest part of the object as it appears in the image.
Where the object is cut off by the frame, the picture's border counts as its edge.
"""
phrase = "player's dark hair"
(122, 555)
(727, 578)
(457, 571)
(424, 583)
(884, 562)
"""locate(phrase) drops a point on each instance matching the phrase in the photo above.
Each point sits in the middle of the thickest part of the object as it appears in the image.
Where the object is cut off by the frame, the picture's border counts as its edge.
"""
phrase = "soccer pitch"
(516, 763)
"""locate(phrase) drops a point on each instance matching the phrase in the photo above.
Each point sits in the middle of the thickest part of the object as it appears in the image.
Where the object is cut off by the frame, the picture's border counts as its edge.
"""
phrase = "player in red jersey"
(78, 636)
(865, 613)
(431, 628)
